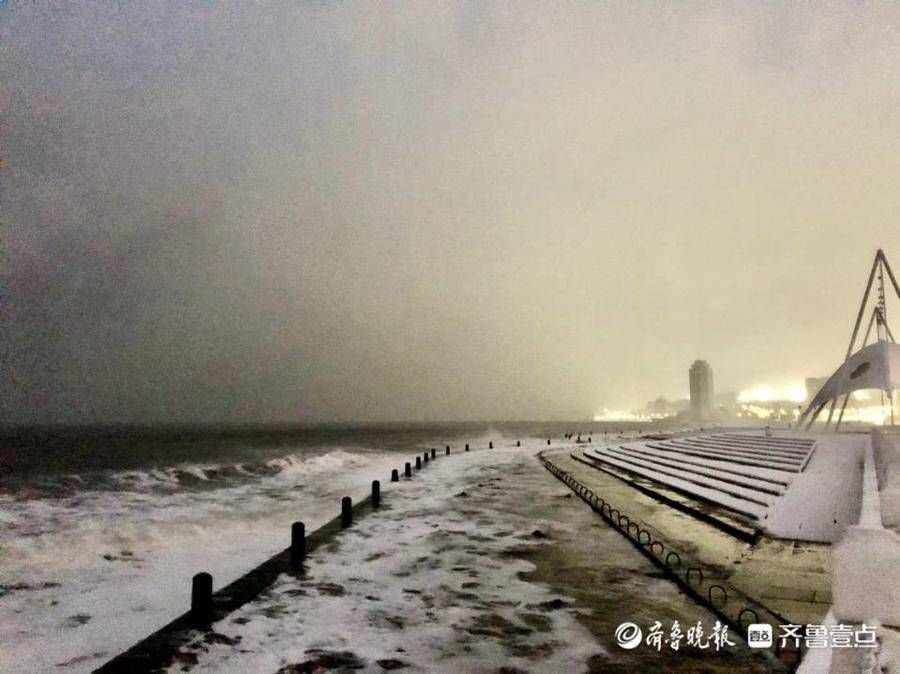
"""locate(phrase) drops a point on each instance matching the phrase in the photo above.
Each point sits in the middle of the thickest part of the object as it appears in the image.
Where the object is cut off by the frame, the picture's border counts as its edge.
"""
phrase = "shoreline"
(417, 587)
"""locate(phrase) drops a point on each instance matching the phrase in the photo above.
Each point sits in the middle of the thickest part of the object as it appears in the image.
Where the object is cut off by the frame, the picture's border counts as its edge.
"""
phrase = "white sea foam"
(86, 575)
(105, 560)
(426, 582)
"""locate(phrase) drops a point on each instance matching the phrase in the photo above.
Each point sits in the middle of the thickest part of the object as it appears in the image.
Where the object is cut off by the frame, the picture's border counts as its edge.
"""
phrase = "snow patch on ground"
(825, 498)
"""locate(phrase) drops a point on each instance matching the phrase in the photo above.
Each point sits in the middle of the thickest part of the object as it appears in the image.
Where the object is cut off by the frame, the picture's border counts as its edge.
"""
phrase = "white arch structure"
(873, 366)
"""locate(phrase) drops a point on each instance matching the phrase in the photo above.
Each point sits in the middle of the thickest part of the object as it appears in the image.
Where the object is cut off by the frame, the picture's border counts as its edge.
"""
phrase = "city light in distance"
(622, 415)
(766, 393)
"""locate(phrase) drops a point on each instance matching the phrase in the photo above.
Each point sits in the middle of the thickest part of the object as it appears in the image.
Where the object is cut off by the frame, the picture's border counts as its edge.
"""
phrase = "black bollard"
(298, 545)
(425, 458)
(395, 476)
(518, 443)
(433, 453)
(490, 445)
(346, 512)
(201, 597)
(448, 451)
(548, 441)
(467, 446)
(590, 439)
(407, 470)
(376, 493)
(448, 446)
(418, 462)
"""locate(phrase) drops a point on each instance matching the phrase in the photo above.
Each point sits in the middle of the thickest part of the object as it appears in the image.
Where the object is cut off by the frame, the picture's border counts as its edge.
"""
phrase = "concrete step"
(748, 452)
(750, 511)
(734, 524)
(689, 450)
(718, 471)
(666, 474)
(770, 447)
(803, 443)
(771, 476)
(754, 447)
(735, 451)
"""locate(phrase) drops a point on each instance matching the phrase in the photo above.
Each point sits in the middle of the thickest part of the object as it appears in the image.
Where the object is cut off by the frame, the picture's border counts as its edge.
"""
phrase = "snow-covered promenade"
(481, 561)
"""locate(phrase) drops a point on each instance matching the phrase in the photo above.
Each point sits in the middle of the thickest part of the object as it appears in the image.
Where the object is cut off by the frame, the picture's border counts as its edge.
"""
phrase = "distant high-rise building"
(702, 395)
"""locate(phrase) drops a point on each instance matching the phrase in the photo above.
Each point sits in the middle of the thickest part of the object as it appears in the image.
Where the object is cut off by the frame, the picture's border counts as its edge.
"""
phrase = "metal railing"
(725, 601)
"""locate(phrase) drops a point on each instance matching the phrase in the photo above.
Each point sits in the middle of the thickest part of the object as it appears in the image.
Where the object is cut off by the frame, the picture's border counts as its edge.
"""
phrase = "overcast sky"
(254, 211)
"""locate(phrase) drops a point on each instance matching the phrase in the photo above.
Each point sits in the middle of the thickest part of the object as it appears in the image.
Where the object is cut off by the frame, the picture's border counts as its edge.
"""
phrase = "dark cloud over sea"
(339, 211)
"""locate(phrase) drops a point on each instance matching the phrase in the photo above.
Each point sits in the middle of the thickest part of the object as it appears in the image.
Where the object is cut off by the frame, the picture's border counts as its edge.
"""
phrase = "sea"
(101, 529)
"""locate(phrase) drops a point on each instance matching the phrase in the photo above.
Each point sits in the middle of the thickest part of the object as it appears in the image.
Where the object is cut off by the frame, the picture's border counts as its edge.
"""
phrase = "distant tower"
(702, 395)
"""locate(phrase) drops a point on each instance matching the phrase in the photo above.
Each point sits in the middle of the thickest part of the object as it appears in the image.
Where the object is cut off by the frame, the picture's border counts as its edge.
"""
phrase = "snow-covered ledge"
(866, 581)
(886, 447)
(866, 570)
(866, 560)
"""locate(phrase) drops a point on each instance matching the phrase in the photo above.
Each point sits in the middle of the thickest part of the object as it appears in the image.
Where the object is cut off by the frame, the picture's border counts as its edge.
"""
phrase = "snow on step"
(738, 506)
(738, 459)
(724, 446)
(731, 450)
(768, 448)
(763, 478)
(816, 484)
(661, 473)
(803, 443)
(718, 475)
(761, 449)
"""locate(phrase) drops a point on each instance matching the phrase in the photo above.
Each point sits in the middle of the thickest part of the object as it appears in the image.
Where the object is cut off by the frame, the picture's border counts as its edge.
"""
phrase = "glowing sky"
(339, 211)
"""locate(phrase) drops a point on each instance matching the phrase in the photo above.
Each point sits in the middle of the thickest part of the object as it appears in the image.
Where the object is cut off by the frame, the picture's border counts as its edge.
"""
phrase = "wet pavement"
(483, 562)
